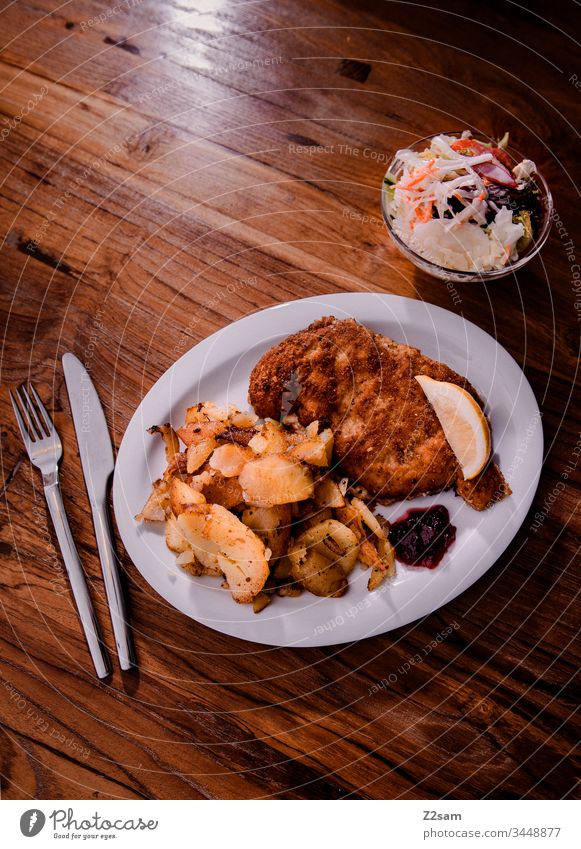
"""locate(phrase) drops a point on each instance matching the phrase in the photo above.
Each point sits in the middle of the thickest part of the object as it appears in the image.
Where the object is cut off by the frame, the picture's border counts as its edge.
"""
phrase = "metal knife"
(97, 460)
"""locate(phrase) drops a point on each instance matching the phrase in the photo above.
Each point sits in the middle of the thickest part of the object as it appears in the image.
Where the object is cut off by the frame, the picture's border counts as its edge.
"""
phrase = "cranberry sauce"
(422, 537)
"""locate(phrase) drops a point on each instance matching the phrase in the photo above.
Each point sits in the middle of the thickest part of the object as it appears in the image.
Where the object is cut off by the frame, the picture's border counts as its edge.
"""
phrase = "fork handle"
(77, 580)
(113, 588)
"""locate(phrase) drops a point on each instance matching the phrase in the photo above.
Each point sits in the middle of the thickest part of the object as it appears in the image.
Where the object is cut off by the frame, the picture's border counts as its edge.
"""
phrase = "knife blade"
(97, 461)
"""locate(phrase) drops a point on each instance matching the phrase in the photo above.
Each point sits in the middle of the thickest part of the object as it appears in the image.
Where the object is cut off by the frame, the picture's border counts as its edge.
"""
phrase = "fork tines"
(33, 420)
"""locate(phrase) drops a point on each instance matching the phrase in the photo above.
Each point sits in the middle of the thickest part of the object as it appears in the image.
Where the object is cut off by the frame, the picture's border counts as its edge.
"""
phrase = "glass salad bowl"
(543, 212)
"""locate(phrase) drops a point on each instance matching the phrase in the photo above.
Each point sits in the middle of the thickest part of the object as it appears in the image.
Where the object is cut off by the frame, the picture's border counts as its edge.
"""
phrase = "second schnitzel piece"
(360, 383)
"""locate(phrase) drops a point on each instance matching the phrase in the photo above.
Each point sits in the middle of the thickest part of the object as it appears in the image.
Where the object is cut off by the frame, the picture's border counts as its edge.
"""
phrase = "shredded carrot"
(424, 212)
(418, 177)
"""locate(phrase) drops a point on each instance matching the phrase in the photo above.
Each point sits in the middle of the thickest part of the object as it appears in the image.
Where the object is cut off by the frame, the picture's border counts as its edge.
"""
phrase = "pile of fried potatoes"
(256, 505)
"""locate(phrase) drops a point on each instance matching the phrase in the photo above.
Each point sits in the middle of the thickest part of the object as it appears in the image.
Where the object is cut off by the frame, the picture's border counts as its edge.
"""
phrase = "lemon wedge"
(463, 422)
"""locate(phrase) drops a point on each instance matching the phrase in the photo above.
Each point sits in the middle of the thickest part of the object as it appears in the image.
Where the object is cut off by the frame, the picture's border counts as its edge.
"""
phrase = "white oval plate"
(218, 369)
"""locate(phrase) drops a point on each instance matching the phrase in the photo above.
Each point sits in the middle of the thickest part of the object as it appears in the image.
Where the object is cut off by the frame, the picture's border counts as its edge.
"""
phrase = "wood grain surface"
(168, 168)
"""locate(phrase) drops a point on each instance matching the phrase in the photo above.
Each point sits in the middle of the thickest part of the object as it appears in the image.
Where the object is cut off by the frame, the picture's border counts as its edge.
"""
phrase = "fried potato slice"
(177, 466)
(316, 450)
(157, 504)
(387, 553)
(308, 514)
(333, 540)
(212, 569)
(218, 537)
(328, 494)
(198, 453)
(381, 560)
(275, 479)
(317, 573)
(261, 601)
(271, 439)
(230, 459)
(273, 526)
(190, 565)
(197, 432)
(181, 496)
(244, 419)
(368, 518)
(281, 569)
(207, 411)
(376, 578)
(170, 438)
(369, 555)
(174, 539)
(220, 490)
(239, 435)
(352, 518)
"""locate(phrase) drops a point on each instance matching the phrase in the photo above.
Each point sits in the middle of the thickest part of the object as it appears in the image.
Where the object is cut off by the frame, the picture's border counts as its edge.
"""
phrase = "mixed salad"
(460, 203)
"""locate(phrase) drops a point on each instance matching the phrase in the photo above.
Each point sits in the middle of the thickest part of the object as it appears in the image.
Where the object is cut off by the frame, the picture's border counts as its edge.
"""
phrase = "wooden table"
(165, 172)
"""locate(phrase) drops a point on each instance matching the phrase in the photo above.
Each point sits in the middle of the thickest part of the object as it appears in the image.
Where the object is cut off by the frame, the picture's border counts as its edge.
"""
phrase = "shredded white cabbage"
(524, 170)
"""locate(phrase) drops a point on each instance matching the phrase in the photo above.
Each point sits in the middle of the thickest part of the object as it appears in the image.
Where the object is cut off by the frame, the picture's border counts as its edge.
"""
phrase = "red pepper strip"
(495, 170)
(472, 148)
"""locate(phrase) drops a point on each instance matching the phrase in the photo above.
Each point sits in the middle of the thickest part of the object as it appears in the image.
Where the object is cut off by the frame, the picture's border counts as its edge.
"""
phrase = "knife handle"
(77, 580)
(113, 587)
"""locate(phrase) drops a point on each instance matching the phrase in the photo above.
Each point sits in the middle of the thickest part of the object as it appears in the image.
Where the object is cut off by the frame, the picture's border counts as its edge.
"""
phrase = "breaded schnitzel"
(361, 384)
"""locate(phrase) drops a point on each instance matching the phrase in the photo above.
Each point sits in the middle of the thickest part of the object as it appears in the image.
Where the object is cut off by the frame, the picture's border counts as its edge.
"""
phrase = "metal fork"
(44, 448)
